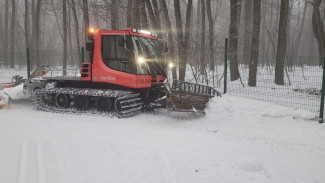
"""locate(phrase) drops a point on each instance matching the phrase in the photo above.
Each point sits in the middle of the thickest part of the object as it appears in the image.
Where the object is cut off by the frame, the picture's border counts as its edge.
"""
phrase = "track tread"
(131, 102)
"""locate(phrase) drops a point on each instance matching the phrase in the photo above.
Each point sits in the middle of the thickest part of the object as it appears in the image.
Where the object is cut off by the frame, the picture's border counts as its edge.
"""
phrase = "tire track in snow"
(40, 163)
(167, 171)
(27, 150)
(22, 167)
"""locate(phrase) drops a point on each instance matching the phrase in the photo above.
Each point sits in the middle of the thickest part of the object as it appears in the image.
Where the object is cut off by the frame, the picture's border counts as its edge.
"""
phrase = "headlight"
(140, 60)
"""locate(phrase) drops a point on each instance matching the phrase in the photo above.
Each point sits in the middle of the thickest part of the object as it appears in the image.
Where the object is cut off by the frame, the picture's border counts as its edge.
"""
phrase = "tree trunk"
(37, 32)
(197, 34)
(6, 31)
(12, 33)
(151, 16)
(71, 52)
(86, 18)
(74, 12)
(1, 39)
(182, 67)
(129, 14)
(65, 53)
(255, 43)
(202, 52)
(86, 23)
(136, 14)
(297, 42)
(233, 39)
(248, 27)
(157, 16)
(318, 29)
(144, 20)
(26, 23)
(114, 15)
(185, 40)
(282, 41)
(179, 35)
(170, 35)
(211, 35)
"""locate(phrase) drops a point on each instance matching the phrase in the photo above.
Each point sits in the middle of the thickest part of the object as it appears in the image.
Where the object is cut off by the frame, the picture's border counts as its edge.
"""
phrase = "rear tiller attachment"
(189, 97)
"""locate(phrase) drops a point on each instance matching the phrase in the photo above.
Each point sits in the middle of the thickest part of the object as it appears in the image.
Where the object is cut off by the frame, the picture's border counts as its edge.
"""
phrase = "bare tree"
(12, 33)
(151, 15)
(71, 53)
(282, 43)
(179, 35)
(74, 13)
(36, 29)
(65, 51)
(318, 29)
(157, 16)
(202, 52)
(168, 28)
(255, 43)
(144, 20)
(6, 31)
(184, 60)
(301, 29)
(233, 39)
(248, 27)
(1, 39)
(114, 15)
(211, 35)
(86, 18)
(26, 23)
(129, 14)
(136, 13)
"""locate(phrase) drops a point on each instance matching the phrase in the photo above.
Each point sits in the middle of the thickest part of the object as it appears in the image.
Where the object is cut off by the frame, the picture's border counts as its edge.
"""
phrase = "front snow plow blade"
(189, 97)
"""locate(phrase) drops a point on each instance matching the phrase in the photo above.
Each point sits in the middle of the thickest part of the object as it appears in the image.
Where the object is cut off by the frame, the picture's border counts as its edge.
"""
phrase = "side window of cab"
(114, 56)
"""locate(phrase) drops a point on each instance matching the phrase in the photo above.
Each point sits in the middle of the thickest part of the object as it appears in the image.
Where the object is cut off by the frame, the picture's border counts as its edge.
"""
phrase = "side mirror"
(121, 41)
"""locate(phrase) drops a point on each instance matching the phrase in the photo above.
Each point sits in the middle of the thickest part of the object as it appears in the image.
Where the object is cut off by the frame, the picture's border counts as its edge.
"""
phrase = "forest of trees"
(275, 30)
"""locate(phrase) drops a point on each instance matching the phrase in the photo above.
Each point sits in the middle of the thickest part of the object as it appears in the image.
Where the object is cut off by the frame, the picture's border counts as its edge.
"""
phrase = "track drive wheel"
(104, 104)
(81, 102)
(49, 99)
(62, 100)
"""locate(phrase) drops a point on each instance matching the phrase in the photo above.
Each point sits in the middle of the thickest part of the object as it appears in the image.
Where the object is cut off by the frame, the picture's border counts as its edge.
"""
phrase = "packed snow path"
(239, 140)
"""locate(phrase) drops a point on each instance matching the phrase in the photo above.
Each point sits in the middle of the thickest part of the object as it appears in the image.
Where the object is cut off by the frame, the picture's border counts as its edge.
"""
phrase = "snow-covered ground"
(238, 140)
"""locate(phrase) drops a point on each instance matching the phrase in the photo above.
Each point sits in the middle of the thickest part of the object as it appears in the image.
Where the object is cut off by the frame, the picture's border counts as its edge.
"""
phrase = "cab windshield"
(116, 57)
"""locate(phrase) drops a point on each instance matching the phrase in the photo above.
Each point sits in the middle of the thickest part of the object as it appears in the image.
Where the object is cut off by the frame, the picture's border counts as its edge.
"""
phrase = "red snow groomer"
(125, 74)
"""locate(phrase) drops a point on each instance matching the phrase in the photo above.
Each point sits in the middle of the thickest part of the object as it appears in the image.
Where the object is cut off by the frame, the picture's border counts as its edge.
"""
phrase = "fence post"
(28, 63)
(321, 111)
(225, 67)
(82, 54)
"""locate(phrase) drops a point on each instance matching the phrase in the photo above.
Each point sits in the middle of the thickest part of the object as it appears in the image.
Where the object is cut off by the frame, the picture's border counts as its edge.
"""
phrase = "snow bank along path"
(239, 140)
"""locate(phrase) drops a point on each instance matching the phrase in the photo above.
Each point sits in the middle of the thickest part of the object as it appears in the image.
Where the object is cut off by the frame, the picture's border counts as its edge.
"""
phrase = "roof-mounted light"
(91, 30)
(134, 30)
(145, 32)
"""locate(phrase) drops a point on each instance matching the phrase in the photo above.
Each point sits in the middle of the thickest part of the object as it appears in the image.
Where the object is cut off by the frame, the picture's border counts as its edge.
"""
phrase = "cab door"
(112, 61)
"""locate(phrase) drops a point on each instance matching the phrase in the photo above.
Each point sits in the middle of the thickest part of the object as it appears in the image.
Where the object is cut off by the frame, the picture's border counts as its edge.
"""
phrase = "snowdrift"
(4, 99)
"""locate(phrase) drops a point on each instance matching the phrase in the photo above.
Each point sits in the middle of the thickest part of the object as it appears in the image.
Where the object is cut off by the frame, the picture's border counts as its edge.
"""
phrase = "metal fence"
(302, 87)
